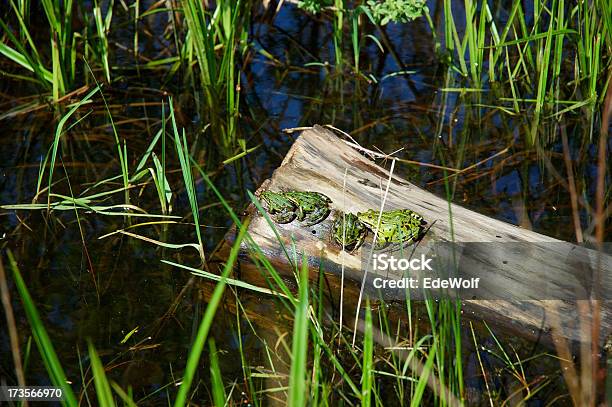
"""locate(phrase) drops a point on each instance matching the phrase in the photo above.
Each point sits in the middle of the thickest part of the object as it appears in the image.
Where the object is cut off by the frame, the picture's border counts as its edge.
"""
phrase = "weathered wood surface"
(320, 161)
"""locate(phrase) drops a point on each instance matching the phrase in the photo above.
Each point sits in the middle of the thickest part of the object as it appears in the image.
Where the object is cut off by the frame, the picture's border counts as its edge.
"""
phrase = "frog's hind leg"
(300, 213)
(283, 217)
(359, 242)
(316, 216)
(406, 238)
(381, 243)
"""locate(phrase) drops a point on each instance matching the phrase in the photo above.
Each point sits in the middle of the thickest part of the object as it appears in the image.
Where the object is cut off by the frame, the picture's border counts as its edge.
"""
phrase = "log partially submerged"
(530, 277)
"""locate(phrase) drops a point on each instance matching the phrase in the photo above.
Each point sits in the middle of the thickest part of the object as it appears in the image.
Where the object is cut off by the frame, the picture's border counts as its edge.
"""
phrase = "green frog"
(396, 226)
(351, 230)
(280, 208)
(312, 207)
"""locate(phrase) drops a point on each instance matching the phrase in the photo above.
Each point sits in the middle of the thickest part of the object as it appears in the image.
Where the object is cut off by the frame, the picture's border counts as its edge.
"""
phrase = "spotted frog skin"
(397, 226)
(350, 229)
(280, 208)
(312, 207)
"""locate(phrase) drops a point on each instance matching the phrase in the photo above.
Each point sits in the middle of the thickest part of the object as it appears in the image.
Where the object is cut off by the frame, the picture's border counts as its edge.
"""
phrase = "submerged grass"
(319, 370)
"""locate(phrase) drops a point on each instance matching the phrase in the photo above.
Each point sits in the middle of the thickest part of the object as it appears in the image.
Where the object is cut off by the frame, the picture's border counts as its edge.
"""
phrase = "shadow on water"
(103, 288)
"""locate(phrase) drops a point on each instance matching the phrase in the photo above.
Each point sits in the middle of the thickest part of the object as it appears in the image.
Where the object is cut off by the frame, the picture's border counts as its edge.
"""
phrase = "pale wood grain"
(319, 160)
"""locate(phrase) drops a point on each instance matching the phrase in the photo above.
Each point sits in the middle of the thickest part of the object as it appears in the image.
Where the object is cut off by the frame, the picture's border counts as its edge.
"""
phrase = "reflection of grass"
(215, 37)
(317, 358)
(207, 32)
(542, 56)
(316, 363)
(529, 54)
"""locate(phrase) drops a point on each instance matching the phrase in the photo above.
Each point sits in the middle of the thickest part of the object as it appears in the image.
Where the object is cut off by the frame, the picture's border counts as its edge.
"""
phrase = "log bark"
(536, 277)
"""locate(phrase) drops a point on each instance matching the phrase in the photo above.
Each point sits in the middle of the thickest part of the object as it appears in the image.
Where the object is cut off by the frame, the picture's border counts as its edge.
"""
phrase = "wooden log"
(529, 287)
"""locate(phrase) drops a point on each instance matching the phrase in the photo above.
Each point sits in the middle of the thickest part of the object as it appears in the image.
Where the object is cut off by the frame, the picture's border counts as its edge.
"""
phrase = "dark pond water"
(101, 289)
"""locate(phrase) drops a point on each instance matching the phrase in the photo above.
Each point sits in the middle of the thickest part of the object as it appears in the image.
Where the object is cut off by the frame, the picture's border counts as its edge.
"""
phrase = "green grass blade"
(207, 320)
(43, 342)
(149, 151)
(218, 390)
(230, 281)
(535, 37)
(127, 399)
(543, 79)
(185, 160)
(298, 389)
(101, 28)
(58, 135)
(103, 390)
(20, 57)
(15, 56)
(367, 370)
(420, 387)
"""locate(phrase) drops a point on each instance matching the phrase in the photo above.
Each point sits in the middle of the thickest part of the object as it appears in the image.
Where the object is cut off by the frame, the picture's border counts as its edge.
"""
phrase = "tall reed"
(208, 31)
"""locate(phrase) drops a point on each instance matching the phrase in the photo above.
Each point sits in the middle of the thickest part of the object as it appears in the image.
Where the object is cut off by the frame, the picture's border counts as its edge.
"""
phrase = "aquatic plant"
(208, 30)
(314, 6)
(397, 11)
